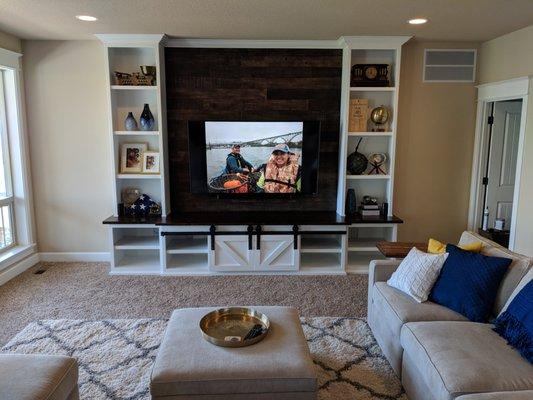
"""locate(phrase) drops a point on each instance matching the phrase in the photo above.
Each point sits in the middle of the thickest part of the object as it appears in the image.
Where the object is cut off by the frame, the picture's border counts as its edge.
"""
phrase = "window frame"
(8, 199)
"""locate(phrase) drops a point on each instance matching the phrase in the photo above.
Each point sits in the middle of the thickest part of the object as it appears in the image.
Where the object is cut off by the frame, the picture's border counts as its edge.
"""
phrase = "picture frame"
(150, 162)
(131, 157)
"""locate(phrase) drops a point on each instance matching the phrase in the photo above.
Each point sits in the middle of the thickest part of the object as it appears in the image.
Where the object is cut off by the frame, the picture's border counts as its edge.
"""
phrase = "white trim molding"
(10, 59)
(18, 267)
(511, 89)
(74, 257)
(127, 40)
(503, 90)
(252, 44)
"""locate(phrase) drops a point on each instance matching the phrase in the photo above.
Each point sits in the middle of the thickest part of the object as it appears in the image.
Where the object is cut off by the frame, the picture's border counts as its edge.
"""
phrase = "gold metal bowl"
(228, 327)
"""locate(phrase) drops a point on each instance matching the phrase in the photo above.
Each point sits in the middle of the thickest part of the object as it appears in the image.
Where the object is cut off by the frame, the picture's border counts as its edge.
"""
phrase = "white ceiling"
(453, 20)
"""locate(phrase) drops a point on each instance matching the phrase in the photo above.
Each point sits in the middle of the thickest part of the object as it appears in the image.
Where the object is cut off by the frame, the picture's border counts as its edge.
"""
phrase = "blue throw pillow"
(516, 323)
(468, 283)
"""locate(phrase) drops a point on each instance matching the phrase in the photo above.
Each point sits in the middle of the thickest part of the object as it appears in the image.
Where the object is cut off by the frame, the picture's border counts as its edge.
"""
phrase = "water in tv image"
(254, 157)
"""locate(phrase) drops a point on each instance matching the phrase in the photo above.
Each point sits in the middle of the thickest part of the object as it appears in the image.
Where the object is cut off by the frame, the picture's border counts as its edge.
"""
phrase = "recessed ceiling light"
(418, 21)
(87, 18)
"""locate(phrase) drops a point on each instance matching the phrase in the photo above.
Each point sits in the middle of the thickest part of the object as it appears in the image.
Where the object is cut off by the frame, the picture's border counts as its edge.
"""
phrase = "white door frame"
(512, 89)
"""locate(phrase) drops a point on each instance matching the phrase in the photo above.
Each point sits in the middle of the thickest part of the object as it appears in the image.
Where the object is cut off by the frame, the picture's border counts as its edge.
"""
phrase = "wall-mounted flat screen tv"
(254, 158)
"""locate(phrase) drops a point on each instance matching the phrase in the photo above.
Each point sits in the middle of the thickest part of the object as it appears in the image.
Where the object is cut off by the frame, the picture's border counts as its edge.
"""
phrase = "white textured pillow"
(417, 273)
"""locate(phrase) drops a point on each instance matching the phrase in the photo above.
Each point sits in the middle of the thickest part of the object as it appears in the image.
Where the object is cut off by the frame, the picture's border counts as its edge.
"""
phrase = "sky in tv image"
(254, 157)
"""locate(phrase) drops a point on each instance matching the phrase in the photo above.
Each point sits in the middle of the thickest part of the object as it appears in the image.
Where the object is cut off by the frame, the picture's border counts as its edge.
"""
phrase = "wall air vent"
(449, 65)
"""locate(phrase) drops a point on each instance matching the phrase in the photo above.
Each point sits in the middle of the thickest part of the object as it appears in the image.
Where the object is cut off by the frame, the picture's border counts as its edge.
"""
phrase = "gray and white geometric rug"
(115, 356)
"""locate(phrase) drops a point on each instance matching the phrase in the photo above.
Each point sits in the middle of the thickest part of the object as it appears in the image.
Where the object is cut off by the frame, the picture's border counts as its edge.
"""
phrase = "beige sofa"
(438, 353)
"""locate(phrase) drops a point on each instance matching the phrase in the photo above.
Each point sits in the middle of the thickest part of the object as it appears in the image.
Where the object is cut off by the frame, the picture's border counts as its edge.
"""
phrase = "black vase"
(351, 203)
(356, 163)
(147, 119)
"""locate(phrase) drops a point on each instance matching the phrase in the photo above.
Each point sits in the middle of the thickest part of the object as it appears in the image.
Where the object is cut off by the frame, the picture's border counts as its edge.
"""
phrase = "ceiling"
(449, 20)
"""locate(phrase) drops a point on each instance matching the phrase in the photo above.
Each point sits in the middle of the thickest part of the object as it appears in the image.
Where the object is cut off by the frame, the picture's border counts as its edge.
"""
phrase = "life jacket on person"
(282, 179)
(239, 160)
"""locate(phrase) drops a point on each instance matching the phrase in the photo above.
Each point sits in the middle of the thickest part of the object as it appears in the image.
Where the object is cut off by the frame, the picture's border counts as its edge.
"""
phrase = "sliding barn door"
(232, 254)
(277, 253)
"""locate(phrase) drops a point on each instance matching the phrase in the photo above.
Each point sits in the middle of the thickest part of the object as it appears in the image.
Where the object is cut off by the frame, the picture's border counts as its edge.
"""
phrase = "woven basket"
(133, 79)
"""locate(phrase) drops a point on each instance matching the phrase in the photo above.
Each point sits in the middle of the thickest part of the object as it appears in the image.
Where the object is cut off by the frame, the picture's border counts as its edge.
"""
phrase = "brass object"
(228, 327)
(380, 116)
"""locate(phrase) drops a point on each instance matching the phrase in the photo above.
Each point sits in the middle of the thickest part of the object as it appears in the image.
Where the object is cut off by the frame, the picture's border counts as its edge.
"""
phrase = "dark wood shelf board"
(239, 218)
(358, 219)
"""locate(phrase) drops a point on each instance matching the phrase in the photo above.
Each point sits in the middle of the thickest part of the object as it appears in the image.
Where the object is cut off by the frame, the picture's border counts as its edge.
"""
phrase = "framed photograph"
(131, 157)
(150, 162)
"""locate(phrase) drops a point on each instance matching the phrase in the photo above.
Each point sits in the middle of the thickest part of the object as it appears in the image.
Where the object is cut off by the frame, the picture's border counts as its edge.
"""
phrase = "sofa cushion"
(515, 272)
(391, 308)
(518, 395)
(469, 282)
(457, 358)
(38, 376)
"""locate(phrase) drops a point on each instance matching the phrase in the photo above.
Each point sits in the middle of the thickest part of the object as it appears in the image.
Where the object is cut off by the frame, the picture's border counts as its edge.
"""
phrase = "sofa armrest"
(380, 271)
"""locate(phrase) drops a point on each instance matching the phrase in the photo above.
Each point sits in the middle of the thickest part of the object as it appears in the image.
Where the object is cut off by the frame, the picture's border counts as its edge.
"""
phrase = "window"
(7, 232)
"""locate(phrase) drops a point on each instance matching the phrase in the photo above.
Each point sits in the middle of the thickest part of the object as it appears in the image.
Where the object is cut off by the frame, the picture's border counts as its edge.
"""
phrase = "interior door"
(232, 254)
(276, 253)
(502, 160)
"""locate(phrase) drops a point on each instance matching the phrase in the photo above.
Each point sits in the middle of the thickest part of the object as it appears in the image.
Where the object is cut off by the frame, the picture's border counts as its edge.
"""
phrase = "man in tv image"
(281, 174)
(235, 163)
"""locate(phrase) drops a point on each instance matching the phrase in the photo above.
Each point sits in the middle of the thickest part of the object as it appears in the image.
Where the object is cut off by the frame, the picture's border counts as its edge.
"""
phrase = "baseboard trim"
(18, 268)
(74, 257)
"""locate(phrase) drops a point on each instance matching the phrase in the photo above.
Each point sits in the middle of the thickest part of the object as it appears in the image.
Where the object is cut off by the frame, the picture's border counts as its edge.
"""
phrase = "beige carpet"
(115, 356)
(86, 291)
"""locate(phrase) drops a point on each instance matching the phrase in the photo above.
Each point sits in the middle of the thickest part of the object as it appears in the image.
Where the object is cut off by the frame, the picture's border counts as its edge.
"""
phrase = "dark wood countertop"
(253, 218)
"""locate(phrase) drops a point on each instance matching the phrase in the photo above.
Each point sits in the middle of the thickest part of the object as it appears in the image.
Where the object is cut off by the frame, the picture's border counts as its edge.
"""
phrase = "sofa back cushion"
(515, 272)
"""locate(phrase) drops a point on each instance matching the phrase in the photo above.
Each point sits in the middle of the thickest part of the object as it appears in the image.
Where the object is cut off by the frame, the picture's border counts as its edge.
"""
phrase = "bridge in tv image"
(294, 139)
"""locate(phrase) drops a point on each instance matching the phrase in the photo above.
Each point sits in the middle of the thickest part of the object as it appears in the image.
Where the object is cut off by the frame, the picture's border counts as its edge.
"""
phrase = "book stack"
(369, 210)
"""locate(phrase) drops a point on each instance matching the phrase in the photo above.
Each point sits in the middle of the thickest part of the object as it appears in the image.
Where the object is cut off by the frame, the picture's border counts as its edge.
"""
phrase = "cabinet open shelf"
(376, 176)
(137, 263)
(372, 89)
(366, 244)
(138, 176)
(136, 133)
(128, 87)
(370, 134)
(187, 264)
(137, 243)
(187, 246)
(321, 263)
(320, 245)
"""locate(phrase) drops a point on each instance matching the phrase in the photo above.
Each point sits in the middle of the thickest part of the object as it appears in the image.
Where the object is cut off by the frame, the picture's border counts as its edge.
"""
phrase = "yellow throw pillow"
(436, 247)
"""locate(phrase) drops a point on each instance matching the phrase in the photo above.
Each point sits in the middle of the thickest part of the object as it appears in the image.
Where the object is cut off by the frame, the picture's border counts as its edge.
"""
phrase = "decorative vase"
(130, 124)
(357, 162)
(147, 119)
(351, 203)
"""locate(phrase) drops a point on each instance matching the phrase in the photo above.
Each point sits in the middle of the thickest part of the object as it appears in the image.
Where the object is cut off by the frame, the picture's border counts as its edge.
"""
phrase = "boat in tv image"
(254, 157)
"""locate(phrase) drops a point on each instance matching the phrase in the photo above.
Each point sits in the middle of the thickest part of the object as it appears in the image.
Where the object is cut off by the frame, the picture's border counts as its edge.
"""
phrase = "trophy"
(379, 116)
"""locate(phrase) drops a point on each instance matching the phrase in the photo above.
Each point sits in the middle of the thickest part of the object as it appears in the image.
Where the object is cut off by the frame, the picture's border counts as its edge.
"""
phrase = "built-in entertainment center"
(251, 140)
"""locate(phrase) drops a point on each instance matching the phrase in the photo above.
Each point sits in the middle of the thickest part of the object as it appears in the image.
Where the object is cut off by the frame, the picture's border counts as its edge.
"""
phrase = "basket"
(216, 184)
(134, 79)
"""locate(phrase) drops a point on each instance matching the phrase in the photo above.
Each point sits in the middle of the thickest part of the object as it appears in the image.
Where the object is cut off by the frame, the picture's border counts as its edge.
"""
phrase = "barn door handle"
(250, 236)
(258, 232)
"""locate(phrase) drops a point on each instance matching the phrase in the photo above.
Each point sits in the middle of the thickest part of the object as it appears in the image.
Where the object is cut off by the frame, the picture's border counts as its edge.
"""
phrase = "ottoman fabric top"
(188, 364)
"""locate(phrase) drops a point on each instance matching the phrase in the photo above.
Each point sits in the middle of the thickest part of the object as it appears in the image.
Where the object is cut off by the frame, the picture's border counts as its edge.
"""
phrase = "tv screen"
(240, 158)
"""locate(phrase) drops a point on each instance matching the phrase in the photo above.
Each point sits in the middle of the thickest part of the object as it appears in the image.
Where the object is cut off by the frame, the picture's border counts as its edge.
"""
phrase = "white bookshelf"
(362, 237)
(136, 247)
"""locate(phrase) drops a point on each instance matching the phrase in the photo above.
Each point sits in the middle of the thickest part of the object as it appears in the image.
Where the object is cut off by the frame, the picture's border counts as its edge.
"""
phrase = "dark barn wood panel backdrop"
(252, 85)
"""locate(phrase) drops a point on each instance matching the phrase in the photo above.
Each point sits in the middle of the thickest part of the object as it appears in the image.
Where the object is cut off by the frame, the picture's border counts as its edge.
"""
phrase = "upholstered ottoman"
(33, 376)
(188, 367)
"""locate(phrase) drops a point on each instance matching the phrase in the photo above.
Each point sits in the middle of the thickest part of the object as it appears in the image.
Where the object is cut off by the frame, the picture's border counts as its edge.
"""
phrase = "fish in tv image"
(254, 157)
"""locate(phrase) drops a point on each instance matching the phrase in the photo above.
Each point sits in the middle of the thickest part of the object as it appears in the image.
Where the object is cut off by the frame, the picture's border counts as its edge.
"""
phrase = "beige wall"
(511, 56)
(434, 150)
(67, 116)
(10, 42)
(69, 148)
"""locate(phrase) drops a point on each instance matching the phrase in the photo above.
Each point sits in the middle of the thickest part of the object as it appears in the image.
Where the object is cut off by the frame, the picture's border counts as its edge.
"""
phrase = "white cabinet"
(235, 252)
(232, 254)
(276, 253)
